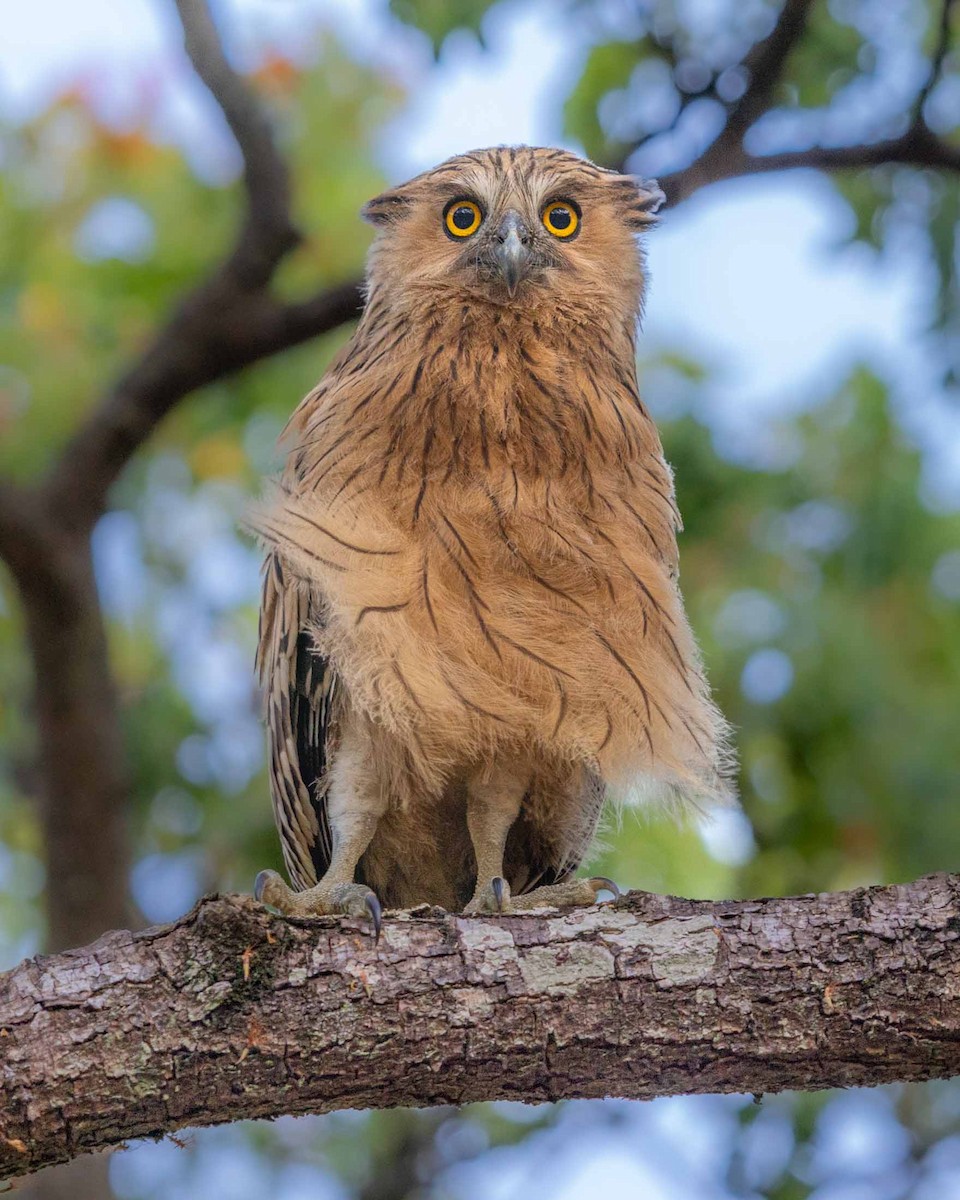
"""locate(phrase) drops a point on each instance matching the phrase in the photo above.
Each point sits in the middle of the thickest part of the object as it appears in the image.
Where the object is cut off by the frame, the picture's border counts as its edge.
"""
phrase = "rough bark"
(232, 1012)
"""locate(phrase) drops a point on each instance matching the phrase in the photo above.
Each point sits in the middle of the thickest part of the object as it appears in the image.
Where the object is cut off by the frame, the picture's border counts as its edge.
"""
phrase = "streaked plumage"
(471, 585)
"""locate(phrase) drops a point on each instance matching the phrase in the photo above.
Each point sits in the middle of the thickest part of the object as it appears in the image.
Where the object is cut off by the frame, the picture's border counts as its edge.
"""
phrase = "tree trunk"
(83, 806)
(78, 720)
(232, 1012)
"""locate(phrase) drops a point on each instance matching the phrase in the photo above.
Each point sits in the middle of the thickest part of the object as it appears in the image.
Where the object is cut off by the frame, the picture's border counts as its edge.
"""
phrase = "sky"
(748, 273)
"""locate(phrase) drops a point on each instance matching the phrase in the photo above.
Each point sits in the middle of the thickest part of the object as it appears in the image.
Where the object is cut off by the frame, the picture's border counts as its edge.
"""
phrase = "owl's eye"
(561, 218)
(461, 218)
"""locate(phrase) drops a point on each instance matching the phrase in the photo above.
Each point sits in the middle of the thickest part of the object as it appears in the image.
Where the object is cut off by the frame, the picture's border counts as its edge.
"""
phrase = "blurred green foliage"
(608, 69)
(826, 59)
(824, 589)
(438, 18)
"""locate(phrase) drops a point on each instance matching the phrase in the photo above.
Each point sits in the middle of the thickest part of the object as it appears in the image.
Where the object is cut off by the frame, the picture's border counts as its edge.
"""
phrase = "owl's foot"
(573, 893)
(344, 899)
(495, 897)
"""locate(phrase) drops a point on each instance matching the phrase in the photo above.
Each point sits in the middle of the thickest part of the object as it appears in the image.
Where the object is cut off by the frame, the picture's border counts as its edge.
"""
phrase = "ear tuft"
(385, 209)
(647, 197)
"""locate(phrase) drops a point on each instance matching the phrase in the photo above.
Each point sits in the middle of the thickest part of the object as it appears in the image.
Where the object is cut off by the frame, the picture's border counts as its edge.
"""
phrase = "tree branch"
(217, 331)
(940, 51)
(726, 157)
(226, 323)
(764, 65)
(19, 522)
(918, 147)
(232, 1012)
(269, 232)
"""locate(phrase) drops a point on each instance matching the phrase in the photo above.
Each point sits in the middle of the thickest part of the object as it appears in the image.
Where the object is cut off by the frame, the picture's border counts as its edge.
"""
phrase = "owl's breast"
(504, 615)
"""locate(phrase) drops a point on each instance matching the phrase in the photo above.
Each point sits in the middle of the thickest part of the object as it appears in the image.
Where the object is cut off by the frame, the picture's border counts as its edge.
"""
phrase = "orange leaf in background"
(276, 75)
(129, 149)
(74, 96)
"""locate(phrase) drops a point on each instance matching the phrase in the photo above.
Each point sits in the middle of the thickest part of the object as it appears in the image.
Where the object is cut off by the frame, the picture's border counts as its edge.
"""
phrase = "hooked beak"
(512, 250)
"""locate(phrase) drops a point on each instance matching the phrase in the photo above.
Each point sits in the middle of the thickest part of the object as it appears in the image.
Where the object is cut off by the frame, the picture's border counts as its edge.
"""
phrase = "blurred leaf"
(438, 18)
(608, 67)
(823, 62)
(869, 196)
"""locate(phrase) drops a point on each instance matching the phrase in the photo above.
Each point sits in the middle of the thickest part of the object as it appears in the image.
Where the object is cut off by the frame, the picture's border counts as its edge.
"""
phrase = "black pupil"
(463, 216)
(560, 218)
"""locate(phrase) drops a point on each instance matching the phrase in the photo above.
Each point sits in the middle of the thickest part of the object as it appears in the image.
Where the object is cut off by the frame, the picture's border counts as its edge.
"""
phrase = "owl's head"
(520, 226)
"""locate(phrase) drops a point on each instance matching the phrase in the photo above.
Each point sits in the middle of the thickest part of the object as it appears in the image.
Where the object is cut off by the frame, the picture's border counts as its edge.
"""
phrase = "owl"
(471, 628)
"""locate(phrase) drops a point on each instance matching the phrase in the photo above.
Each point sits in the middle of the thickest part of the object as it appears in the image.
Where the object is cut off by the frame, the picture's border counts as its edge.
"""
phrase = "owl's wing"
(300, 689)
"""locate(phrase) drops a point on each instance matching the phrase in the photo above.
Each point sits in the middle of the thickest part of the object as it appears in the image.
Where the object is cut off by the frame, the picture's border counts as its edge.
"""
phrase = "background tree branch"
(918, 147)
(763, 66)
(726, 156)
(227, 322)
(232, 1012)
(269, 232)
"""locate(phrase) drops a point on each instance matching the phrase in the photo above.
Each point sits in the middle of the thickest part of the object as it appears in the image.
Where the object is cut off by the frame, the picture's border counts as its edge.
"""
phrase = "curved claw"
(376, 914)
(600, 883)
(496, 886)
(265, 880)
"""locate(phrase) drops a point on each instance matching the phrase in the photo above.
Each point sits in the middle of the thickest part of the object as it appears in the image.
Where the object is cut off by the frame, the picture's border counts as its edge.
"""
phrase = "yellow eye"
(461, 218)
(561, 218)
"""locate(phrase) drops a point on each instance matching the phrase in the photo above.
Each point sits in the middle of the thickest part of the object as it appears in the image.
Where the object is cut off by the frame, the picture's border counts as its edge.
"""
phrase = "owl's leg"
(574, 892)
(493, 804)
(355, 803)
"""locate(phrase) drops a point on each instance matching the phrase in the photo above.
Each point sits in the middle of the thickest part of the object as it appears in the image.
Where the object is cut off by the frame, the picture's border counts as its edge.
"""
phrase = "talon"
(492, 897)
(342, 899)
(600, 883)
(376, 914)
(266, 883)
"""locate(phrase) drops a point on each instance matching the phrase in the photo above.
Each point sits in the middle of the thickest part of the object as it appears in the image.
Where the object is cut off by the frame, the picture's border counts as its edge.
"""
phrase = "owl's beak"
(512, 249)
